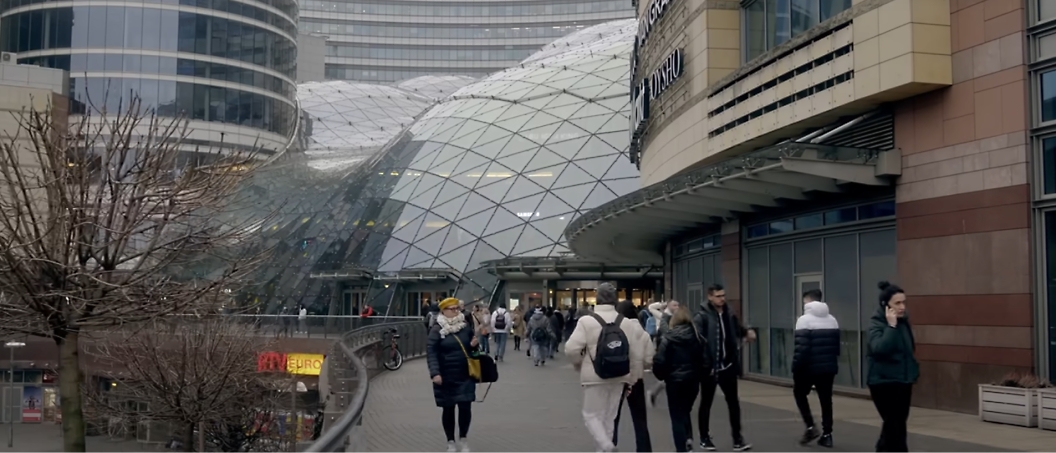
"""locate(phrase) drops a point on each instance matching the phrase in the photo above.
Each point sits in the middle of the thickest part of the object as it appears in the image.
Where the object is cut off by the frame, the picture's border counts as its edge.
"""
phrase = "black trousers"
(801, 385)
(636, 404)
(680, 398)
(465, 415)
(892, 402)
(727, 379)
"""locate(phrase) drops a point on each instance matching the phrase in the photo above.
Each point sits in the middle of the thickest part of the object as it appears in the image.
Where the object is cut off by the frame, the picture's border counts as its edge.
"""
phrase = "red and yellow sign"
(304, 364)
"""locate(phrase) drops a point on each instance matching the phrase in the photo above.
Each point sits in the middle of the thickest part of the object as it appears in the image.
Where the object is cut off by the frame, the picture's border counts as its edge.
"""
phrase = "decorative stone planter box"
(1047, 409)
(1009, 405)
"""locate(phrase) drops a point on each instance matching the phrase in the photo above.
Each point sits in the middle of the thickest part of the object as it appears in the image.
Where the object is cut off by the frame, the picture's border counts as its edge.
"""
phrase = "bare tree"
(194, 375)
(99, 222)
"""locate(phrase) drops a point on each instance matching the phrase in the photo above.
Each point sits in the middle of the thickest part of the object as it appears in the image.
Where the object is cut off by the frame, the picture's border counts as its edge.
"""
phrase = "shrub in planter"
(1012, 400)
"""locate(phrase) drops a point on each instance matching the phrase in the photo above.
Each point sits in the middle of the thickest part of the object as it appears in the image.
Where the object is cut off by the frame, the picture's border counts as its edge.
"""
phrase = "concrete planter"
(1047, 409)
(1008, 405)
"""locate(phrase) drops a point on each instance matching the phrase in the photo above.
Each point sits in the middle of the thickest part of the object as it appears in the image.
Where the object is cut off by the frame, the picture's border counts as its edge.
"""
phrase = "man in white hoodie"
(815, 363)
(601, 396)
(501, 322)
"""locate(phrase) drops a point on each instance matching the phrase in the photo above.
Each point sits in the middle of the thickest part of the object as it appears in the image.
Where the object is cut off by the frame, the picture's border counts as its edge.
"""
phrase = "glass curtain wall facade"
(498, 169)
(1042, 104)
(218, 61)
(391, 40)
(769, 23)
(845, 258)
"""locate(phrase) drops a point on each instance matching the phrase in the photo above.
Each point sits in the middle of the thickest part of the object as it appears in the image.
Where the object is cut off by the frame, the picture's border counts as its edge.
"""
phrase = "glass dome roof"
(351, 121)
(497, 169)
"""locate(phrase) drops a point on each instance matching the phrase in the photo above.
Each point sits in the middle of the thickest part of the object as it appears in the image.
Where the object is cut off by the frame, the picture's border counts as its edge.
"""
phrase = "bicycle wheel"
(393, 358)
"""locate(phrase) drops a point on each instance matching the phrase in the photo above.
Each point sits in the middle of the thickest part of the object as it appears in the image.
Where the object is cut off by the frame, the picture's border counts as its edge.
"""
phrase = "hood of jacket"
(817, 308)
(682, 333)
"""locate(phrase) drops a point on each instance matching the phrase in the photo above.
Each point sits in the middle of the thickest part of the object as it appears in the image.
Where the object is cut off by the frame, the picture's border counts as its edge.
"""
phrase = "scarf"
(450, 325)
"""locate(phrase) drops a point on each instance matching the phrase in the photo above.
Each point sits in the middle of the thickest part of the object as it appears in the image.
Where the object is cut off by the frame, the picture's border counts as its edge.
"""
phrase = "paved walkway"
(538, 409)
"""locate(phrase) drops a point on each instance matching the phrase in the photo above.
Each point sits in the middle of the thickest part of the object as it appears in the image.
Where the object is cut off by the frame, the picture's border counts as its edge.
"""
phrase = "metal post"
(10, 394)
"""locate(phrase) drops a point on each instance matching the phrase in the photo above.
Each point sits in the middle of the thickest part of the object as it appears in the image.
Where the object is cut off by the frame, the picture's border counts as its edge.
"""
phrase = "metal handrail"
(356, 347)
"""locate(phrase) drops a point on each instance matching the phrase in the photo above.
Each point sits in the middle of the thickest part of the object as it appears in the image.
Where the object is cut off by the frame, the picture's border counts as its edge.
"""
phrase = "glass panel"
(841, 293)
(758, 309)
(1048, 96)
(783, 300)
(1048, 162)
(1050, 284)
(808, 256)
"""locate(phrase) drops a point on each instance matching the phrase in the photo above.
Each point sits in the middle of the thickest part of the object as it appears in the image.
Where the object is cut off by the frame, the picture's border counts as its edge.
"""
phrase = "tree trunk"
(188, 437)
(73, 427)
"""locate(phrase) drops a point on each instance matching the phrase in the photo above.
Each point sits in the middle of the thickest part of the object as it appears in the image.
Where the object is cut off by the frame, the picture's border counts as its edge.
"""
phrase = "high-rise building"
(393, 40)
(228, 65)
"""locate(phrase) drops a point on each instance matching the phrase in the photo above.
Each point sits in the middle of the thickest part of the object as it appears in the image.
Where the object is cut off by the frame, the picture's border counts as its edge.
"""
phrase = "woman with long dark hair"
(451, 341)
(636, 397)
(679, 362)
(892, 367)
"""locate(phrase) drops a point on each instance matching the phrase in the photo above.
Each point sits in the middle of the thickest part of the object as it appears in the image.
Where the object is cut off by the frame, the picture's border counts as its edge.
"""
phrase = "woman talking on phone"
(892, 368)
(450, 343)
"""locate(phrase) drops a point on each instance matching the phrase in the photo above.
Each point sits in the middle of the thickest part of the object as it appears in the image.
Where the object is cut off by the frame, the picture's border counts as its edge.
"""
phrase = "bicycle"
(393, 357)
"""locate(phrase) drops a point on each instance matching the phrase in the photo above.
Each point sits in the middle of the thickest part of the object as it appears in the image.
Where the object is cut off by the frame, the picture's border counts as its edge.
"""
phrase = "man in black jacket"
(723, 332)
(815, 364)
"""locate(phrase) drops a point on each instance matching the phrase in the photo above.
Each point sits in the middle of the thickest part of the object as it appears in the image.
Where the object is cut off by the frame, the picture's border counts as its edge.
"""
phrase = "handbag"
(472, 363)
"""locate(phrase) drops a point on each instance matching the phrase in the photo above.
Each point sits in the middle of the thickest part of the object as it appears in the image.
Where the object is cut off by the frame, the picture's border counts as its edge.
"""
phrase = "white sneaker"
(451, 446)
(465, 444)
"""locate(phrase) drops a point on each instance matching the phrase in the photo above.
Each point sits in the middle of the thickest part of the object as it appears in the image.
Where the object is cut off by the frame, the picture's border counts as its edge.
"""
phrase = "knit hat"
(448, 303)
(606, 294)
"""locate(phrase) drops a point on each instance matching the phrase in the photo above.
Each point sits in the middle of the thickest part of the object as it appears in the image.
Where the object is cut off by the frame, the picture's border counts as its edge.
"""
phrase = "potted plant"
(1047, 408)
(1013, 400)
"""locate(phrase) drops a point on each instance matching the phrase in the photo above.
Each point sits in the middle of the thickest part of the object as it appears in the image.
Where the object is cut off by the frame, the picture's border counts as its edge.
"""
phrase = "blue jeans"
(500, 343)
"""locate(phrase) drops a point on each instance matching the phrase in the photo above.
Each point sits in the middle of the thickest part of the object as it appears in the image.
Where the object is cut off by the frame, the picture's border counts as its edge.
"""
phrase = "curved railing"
(354, 360)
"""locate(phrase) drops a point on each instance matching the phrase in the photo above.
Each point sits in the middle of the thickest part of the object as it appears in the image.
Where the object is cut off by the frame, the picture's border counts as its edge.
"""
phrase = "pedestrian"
(518, 327)
(723, 334)
(679, 362)
(483, 324)
(557, 325)
(636, 398)
(661, 313)
(450, 343)
(302, 318)
(892, 367)
(540, 333)
(815, 363)
(501, 324)
(614, 348)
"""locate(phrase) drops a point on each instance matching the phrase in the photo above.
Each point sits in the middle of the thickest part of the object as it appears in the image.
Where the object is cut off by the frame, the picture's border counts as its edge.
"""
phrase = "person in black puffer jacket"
(451, 341)
(815, 363)
(679, 361)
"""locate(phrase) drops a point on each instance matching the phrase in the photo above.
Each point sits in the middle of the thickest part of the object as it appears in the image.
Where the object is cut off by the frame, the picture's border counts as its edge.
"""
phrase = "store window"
(769, 23)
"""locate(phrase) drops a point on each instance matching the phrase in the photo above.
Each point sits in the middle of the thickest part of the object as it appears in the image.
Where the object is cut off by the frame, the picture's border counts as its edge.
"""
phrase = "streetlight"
(11, 385)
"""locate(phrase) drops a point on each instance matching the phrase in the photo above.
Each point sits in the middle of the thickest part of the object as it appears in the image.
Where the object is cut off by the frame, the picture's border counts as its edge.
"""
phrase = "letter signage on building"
(651, 87)
(304, 364)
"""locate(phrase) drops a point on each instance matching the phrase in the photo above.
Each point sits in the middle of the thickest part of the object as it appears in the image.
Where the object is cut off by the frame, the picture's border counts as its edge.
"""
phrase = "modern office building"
(472, 197)
(392, 40)
(228, 65)
(786, 145)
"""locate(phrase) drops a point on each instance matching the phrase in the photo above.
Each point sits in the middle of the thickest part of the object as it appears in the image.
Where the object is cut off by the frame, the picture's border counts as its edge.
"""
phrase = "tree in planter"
(98, 218)
(197, 375)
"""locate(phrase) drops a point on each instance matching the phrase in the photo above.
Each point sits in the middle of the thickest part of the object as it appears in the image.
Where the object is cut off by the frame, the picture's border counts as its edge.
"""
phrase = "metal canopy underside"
(524, 268)
(633, 228)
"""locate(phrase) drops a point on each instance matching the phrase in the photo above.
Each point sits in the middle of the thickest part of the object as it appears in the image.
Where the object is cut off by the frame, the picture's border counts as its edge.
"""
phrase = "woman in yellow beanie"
(451, 340)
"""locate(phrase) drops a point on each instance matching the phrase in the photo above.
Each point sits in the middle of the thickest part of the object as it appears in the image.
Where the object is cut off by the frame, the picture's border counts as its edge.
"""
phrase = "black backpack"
(613, 358)
(500, 321)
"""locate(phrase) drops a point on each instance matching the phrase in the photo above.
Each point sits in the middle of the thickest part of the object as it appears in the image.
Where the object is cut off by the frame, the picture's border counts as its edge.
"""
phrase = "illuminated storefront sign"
(650, 88)
(280, 362)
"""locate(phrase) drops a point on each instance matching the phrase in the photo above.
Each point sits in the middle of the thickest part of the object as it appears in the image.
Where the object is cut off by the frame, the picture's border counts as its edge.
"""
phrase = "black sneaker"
(808, 436)
(741, 445)
(825, 441)
(707, 445)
